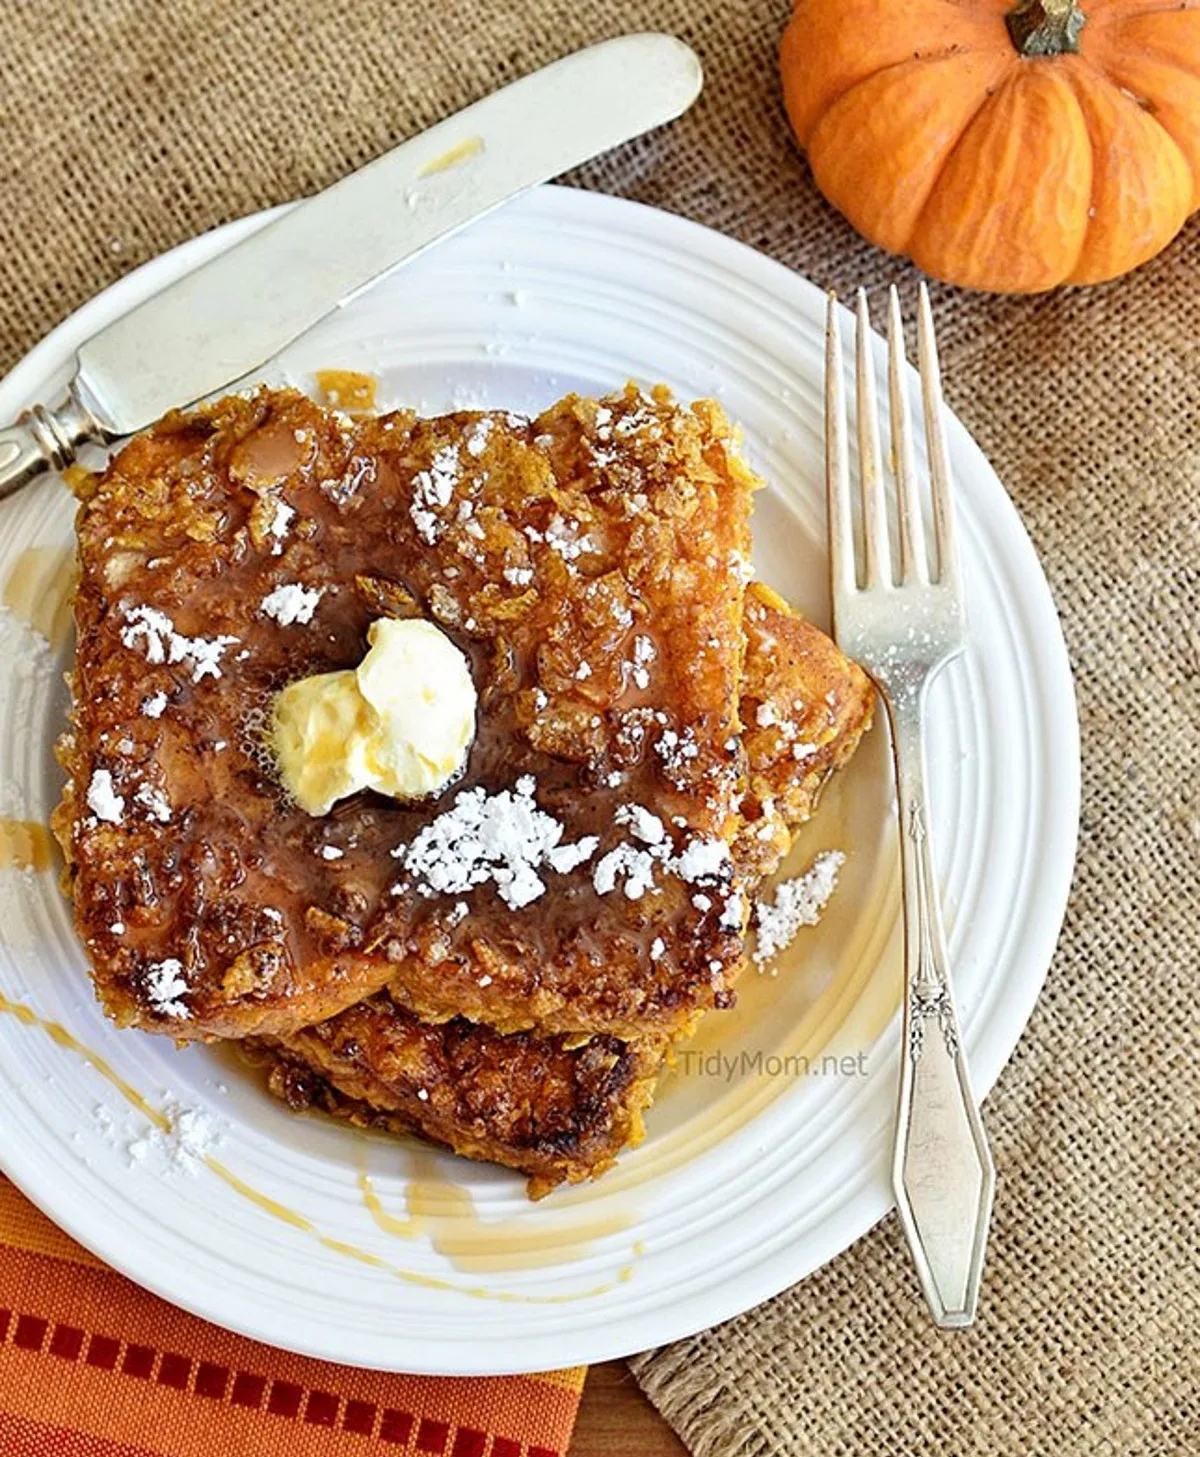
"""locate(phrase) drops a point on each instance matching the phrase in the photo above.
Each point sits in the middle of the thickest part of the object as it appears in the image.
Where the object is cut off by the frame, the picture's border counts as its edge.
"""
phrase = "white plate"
(745, 1184)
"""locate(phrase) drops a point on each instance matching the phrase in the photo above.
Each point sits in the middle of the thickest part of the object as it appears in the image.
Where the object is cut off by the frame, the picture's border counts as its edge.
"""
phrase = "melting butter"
(400, 723)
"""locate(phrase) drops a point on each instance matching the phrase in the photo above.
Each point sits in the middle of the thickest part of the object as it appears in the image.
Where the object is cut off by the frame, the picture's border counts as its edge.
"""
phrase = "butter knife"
(232, 314)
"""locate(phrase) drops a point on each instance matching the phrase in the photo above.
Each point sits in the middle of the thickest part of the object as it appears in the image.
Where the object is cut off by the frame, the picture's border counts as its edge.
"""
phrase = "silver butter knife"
(232, 314)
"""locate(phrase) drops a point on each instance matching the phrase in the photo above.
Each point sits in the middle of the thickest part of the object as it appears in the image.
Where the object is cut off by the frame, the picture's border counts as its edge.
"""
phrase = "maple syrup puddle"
(26, 845)
(347, 389)
(445, 1212)
(40, 589)
(292, 1217)
(455, 156)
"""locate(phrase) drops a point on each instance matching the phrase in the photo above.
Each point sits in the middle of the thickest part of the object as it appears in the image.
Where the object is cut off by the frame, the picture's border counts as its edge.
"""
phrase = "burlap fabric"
(126, 126)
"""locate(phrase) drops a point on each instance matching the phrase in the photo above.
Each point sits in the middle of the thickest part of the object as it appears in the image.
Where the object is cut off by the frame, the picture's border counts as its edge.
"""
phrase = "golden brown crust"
(804, 708)
(545, 550)
(552, 1109)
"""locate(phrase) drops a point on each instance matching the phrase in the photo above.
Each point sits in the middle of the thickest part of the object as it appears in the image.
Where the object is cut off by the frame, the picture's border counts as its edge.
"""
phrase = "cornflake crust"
(590, 563)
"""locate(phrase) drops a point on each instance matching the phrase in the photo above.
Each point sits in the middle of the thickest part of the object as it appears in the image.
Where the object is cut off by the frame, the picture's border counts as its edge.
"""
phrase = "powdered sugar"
(742, 567)
(165, 986)
(563, 537)
(103, 800)
(643, 654)
(431, 491)
(635, 866)
(675, 750)
(565, 858)
(188, 1138)
(154, 632)
(703, 860)
(501, 838)
(477, 440)
(642, 824)
(279, 525)
(154, 802)
(797, 903)
(291, 603)
(733, 914)
(632, 866)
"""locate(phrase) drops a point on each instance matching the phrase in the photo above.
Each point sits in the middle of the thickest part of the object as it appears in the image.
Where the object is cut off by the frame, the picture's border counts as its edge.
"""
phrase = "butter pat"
(321, 725)
(400, 723)
(419, 688)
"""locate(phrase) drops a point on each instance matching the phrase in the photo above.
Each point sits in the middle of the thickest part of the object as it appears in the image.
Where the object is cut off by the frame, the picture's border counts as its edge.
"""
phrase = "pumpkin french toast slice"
(556, 1109)
(561, 1108)
(591, 566)
(804, 707)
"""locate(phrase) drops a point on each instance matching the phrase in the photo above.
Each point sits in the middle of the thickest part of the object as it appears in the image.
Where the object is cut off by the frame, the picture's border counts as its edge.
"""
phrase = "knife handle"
(45, 439)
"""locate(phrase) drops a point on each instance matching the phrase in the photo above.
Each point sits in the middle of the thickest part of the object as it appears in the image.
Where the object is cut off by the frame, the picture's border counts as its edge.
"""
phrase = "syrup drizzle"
(292, 1217)
(445, 1211)
(454, 156)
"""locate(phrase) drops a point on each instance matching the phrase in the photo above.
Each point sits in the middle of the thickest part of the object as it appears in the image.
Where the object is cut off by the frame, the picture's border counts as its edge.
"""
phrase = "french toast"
(556, 1108)
(591, 565)
(804, 707)
(670, 724)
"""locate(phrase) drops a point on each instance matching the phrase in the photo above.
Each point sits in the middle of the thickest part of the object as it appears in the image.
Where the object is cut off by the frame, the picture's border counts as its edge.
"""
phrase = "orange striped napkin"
(93, 1366)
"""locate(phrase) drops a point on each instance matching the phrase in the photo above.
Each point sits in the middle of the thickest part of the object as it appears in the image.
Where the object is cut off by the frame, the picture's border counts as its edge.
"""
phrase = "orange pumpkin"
(1002, 148)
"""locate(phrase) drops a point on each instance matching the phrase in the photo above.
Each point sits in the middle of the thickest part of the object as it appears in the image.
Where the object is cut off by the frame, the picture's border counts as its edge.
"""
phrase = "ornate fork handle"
(942, 1171)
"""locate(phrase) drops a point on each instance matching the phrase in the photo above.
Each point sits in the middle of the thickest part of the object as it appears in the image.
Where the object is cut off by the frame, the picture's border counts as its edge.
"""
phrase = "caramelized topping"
(588, 565)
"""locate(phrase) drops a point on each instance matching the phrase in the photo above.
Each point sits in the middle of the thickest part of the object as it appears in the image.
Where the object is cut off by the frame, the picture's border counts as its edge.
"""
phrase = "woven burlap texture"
(126, 127)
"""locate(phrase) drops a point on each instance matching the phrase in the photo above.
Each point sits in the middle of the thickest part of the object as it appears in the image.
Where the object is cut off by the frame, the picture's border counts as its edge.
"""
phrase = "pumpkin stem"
(1045, 27)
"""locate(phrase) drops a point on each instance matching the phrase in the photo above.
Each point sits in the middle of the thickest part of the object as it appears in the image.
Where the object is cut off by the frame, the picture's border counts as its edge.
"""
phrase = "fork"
(902, 626)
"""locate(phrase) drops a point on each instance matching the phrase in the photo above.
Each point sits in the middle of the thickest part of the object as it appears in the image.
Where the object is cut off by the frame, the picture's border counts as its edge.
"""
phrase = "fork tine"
(935, 435)
(913, 565)
(842, 575)
(877, 565)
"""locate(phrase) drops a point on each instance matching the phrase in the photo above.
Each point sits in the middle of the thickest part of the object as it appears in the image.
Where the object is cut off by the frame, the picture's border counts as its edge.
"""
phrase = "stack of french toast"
(502, 965)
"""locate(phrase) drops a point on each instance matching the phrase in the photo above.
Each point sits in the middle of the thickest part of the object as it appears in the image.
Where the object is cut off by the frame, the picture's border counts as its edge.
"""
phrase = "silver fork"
(903, 626)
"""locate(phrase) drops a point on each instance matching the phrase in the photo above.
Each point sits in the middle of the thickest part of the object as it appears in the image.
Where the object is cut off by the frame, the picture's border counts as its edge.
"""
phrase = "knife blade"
(232, 314)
